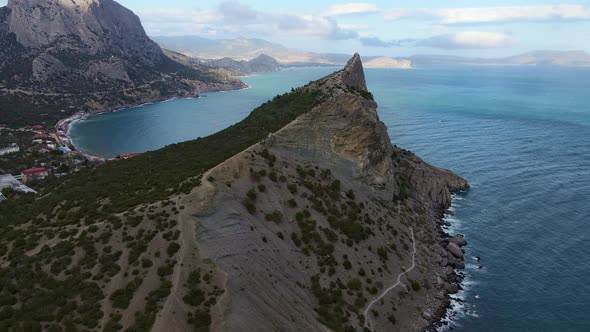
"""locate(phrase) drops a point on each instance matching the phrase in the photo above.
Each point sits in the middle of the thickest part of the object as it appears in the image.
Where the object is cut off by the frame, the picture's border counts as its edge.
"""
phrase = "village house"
(31, 174)
(10, 149)
(9, 181)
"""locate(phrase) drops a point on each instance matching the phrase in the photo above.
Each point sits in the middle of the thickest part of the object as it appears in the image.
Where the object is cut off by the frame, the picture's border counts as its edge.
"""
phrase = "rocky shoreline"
(452, 284)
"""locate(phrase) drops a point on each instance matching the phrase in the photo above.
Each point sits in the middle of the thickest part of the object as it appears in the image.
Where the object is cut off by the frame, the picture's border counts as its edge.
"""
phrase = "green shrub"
(391, 319)
(354, 284)
(295, 239)
(250, 205)
(350, 194)
(251, 194)
(173, 248)
(415, 285)
(347, 264)
(292, 188)
(122, 297)
(382, 252)
(275, 217)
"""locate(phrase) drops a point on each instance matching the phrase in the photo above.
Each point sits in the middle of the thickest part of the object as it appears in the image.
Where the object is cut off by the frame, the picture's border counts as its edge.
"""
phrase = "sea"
(519, 134)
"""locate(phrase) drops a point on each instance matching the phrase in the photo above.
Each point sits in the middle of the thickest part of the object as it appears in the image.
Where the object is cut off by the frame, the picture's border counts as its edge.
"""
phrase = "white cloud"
(354, 26)
(372, 41)
(236, 12)
(312, 25)
(233, 17)
(468, 40)
(179, 22)
(175, 15)
(352, 8)
(493, 14)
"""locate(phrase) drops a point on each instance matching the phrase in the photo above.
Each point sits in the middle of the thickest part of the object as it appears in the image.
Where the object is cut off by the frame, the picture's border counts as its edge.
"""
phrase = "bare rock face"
(111, 68)
(92, 26)
(46, 67)
(434, 185)
(346, 126)
(353, 74)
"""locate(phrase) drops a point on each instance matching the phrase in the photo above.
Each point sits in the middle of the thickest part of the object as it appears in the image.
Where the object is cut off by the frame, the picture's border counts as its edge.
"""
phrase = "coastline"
(63, 126)
(446, 314)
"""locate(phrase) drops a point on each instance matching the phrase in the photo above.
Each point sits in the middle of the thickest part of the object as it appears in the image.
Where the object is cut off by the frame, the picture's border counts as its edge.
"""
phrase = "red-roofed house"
(37, 127)
(40, 136)
(34, 174)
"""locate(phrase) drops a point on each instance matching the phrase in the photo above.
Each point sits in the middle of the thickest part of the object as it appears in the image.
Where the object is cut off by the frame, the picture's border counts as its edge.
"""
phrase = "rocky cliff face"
(90, 26)
(84, 55)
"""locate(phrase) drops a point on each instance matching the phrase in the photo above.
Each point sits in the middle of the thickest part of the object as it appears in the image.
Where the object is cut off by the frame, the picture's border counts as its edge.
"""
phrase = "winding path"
(399, 277)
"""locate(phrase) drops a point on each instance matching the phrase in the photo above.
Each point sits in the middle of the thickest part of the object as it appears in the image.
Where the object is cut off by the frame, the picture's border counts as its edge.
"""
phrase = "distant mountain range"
(261, 63)
(535, 58)
(246, 49)
(227, 68)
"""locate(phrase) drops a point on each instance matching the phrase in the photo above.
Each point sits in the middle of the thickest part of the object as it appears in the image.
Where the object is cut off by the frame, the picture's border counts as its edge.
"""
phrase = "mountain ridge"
(294, 218)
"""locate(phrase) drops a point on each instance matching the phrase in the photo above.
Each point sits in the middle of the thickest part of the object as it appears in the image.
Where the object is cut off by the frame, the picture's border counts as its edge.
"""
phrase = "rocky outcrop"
(433, 184)
(85, 55)
(459, 240)
(455, 250)
(353, 75)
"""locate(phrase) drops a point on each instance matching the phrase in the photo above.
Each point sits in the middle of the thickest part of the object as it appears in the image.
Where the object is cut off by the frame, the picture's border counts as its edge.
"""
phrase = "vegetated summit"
(92, 55)
(299, 217)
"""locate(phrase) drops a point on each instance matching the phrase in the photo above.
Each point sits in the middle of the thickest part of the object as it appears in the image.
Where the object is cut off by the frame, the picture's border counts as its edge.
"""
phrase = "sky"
(488, 28)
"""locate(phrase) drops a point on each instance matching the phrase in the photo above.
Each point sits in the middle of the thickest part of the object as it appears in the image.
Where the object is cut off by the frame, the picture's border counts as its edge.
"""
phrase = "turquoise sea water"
(520, 135)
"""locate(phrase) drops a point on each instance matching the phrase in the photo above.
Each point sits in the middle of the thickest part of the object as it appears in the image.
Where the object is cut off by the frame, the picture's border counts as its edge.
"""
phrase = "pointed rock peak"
(353, 74)
(354, 61)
